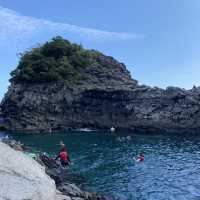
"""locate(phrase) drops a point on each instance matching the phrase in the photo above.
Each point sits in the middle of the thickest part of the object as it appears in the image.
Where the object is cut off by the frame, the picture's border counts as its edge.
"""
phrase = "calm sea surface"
(104, 161)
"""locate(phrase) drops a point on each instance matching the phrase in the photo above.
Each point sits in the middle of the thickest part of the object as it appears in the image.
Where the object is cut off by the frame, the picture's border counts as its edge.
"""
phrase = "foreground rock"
(22, 178)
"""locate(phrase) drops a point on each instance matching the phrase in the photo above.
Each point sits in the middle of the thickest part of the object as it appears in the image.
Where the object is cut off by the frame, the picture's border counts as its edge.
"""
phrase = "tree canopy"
(55, 60)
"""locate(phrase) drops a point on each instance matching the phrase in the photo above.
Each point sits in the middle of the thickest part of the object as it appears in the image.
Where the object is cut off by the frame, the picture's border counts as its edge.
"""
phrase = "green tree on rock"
(56, 60)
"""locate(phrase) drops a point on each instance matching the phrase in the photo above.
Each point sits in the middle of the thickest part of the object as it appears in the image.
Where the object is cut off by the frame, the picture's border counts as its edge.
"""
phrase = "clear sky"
(159, 41)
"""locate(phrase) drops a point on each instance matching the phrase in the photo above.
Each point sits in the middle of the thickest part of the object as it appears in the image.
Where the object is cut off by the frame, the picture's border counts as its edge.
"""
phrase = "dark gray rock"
(106, 97)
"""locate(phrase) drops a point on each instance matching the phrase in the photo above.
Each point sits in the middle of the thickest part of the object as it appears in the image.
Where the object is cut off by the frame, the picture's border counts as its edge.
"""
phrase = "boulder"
(23, 178)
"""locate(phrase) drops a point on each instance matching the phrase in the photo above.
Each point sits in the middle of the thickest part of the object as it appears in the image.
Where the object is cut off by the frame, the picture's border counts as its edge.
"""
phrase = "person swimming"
(139, 158)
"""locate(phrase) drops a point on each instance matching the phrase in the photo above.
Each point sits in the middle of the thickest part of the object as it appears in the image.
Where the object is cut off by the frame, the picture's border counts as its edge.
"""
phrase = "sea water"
(105, 162)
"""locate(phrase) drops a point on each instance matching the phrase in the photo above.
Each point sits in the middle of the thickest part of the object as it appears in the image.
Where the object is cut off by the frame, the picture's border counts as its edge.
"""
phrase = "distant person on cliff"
(63, 155)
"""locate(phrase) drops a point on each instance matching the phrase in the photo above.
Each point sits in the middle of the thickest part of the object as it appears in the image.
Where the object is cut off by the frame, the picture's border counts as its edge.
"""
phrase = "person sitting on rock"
(63, 156)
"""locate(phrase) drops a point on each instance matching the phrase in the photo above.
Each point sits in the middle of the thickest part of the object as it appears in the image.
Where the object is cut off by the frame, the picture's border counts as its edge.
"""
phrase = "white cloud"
(15, 26)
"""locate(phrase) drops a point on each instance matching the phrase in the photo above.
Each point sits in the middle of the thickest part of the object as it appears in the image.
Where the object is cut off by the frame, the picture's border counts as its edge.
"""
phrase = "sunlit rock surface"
(23, 178)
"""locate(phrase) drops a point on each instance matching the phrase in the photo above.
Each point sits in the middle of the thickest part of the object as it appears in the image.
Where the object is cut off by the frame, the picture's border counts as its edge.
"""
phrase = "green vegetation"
(54, 61)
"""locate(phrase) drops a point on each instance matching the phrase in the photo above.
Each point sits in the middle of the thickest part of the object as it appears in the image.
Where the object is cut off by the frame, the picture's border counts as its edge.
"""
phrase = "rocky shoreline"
(65, 188)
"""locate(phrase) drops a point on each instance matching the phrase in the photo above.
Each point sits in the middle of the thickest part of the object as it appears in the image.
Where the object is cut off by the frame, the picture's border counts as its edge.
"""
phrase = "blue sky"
(159, 41)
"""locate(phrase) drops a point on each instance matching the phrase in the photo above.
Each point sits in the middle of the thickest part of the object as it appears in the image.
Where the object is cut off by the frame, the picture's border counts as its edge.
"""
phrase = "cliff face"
(56, 106)
(107, 96)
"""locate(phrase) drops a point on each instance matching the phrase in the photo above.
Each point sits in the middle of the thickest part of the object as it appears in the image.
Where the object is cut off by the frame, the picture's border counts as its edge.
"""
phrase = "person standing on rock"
(63, 155)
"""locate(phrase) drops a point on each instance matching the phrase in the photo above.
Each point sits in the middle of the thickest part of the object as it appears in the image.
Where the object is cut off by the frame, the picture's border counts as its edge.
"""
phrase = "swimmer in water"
(139, 158)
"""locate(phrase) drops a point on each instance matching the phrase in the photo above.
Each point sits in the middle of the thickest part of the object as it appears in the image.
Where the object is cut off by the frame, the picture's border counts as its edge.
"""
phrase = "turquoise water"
(171, 170)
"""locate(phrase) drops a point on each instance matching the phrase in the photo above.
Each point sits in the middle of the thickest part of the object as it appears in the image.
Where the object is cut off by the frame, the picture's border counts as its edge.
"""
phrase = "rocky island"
(61, 86)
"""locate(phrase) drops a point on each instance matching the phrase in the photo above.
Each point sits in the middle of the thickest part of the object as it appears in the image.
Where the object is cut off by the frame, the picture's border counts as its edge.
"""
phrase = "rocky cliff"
(103, 97)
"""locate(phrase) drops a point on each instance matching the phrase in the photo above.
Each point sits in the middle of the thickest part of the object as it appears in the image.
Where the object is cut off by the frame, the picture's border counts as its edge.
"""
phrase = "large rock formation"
(105, 96)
